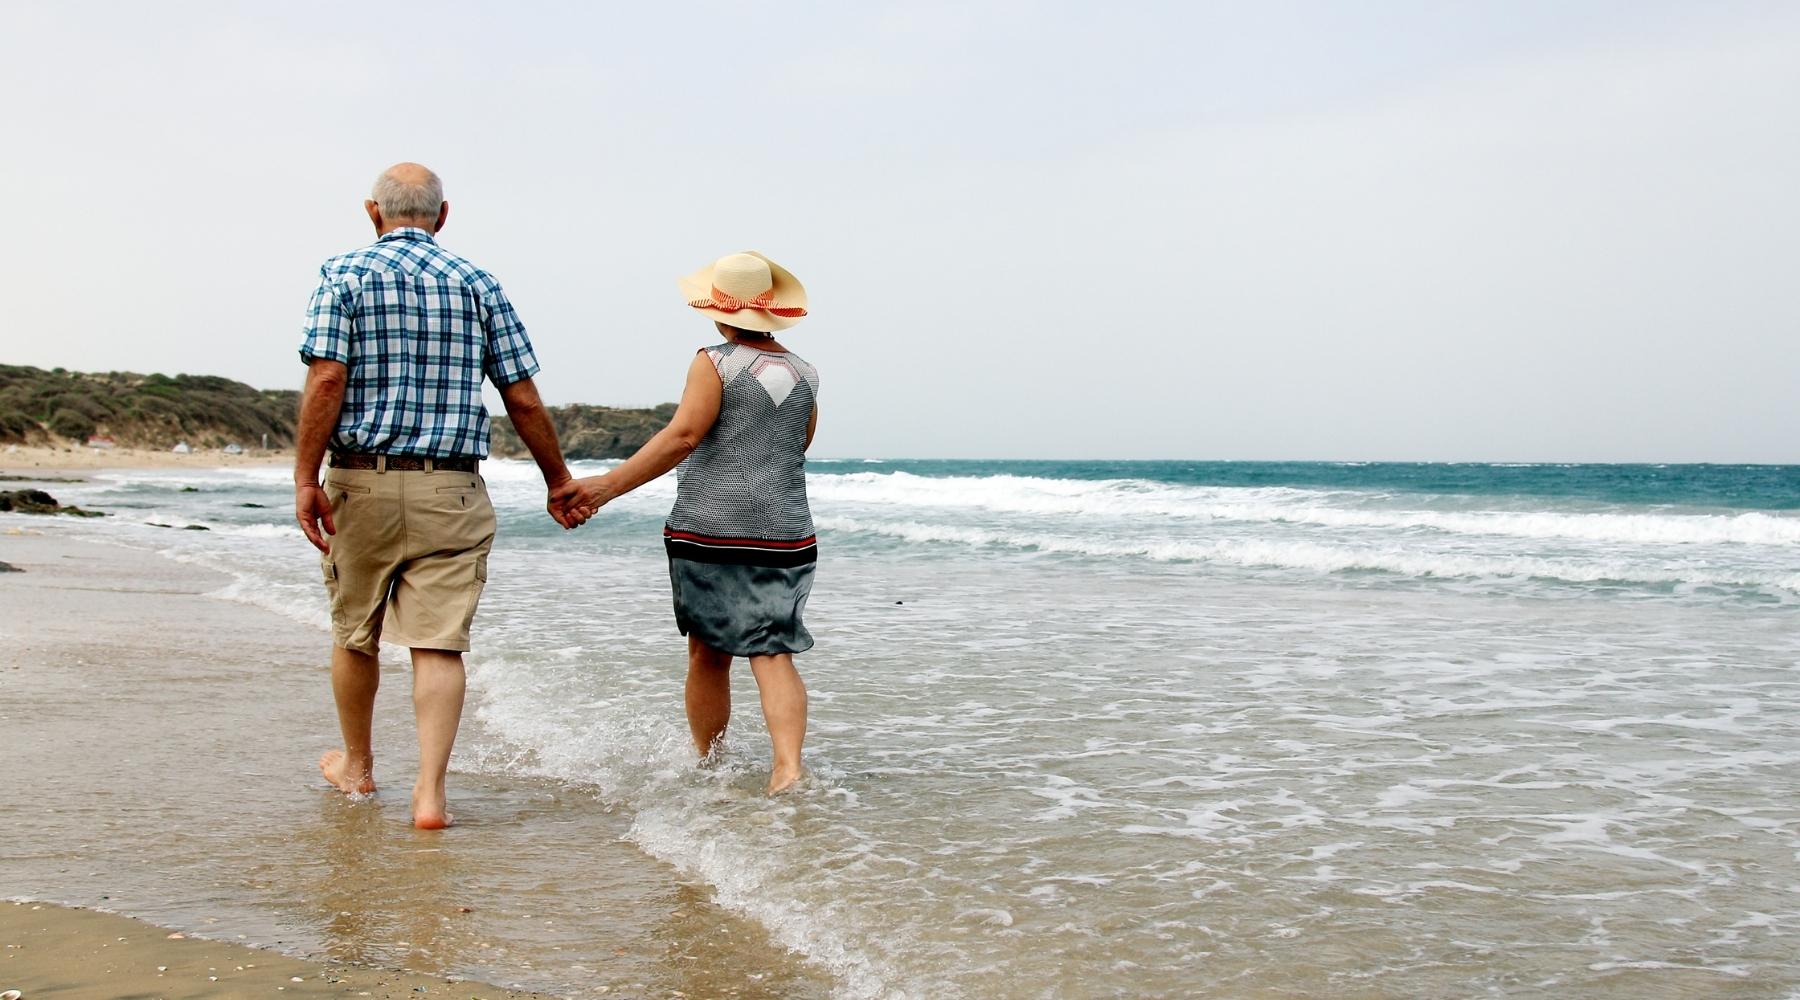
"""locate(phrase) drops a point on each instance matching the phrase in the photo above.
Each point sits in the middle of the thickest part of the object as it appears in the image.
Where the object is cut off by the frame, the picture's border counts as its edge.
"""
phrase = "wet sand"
(160, 763)
(59, 951)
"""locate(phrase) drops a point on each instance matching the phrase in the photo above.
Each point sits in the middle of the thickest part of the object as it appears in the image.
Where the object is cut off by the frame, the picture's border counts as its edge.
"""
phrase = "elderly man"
(398, 338)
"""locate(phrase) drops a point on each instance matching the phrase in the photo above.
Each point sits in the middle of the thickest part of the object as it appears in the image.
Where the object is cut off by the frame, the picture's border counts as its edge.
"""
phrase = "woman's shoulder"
(730, 360)
(806, 368)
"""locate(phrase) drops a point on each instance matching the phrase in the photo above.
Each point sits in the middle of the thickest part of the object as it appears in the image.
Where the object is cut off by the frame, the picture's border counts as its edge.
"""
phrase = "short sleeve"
(509, 355)
(329, 323)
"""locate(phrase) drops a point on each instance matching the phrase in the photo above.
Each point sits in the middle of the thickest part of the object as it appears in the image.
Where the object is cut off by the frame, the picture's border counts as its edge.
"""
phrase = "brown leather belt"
(402, 463)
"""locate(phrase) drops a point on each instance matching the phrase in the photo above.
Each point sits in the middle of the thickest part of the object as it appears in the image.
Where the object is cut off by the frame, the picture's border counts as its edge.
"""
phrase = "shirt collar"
(408, 233)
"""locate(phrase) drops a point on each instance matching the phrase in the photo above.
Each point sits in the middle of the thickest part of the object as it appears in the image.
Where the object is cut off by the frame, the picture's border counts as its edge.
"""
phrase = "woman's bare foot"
(429, 810)
(783, 779)
(351, 779)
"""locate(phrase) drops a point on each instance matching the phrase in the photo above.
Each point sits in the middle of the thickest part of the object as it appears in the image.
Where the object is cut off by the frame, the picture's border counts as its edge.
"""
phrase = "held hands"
(573, 501)
(312, 508)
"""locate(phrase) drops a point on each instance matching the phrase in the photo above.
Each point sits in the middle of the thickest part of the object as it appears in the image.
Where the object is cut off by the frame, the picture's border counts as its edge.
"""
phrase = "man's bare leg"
(708, 694)
(784, 706)
(437, 707)
(354, 678)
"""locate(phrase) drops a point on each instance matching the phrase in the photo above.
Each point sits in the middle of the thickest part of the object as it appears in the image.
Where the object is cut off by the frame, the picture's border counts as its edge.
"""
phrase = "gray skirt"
(742, 610)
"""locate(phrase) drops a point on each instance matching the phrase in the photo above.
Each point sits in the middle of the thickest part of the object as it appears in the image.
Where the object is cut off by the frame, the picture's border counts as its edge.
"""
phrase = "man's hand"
(565, 506)
(312, 508)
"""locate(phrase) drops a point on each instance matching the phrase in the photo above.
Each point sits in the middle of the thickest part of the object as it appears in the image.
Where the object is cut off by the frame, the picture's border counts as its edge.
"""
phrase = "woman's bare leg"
(708, 694)
(784, 706)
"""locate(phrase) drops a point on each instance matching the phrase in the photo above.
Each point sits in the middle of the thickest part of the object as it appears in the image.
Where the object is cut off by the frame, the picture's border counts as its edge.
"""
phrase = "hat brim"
(760, 320)
(787, 291)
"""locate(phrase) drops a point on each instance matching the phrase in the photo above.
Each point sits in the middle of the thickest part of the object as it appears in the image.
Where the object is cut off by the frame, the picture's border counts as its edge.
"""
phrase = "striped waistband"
(740, 551)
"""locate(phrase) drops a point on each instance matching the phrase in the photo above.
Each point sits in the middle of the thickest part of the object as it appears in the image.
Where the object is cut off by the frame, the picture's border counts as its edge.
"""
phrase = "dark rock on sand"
(39, 502)
(6, 567)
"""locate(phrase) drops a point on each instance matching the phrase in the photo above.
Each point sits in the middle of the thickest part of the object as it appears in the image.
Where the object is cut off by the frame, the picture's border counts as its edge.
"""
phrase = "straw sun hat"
(748, 291)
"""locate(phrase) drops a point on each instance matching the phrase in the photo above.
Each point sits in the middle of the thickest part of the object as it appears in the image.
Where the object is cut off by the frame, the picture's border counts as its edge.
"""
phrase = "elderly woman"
(740, 537)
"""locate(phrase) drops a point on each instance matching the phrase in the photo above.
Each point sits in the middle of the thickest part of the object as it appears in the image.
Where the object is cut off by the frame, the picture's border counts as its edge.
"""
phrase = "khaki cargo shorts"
(409, 559)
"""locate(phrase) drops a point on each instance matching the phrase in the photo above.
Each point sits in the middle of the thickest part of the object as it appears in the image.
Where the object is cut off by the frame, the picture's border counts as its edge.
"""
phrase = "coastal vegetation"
(63, 408)
(154, 411)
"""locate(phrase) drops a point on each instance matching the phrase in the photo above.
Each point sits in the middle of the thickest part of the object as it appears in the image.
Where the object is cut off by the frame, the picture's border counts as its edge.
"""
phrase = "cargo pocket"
(331, 588)
(476, 586)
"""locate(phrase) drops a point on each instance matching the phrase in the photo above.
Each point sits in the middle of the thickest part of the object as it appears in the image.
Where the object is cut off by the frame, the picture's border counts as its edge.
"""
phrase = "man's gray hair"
(408, 199)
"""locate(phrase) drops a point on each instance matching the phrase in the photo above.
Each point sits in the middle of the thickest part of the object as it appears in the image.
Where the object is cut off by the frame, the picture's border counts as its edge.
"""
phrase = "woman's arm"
(693, 418)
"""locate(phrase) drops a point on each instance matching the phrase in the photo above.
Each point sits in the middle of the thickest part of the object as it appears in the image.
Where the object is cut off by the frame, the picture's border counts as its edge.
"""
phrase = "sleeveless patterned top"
(741, 495)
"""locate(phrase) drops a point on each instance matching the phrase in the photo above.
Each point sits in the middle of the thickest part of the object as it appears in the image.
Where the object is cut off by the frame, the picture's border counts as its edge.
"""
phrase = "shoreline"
(59, 947)
(121, 666)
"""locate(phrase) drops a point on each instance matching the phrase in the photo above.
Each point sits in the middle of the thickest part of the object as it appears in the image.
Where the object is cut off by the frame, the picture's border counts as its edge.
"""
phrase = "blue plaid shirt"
(417, 327)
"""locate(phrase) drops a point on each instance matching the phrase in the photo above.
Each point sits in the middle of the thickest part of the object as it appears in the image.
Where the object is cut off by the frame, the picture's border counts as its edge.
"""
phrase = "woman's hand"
(591, 494)
(566, 505)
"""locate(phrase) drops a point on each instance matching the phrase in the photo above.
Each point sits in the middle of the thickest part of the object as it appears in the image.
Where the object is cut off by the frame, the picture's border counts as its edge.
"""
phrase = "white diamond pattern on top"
(747, 478)
(776, 377)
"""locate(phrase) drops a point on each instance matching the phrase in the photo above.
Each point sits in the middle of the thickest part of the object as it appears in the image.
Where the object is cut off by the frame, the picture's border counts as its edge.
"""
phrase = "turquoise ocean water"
(1178, 728)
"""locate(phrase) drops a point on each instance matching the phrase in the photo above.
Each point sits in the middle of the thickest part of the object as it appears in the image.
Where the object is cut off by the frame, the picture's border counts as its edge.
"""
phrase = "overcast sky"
(1400, 230)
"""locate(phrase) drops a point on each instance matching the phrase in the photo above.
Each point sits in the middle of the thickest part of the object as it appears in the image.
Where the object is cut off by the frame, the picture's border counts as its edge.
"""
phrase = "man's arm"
(531, 419)
(320, 403)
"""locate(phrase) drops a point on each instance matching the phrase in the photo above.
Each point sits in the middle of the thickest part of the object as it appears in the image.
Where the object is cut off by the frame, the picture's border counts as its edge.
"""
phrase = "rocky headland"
(65, 410)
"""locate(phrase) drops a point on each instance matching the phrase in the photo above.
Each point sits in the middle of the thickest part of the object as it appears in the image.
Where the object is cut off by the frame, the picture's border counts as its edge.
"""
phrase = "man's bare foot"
(429, 810)
(783, 779)
(341, 775)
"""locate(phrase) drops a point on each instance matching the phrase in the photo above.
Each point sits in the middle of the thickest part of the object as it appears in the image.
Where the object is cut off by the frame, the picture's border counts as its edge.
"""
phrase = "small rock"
(177, 936)
(253, 506)
(39, 502)
(196, 527)
(190, 489)
(6, 567)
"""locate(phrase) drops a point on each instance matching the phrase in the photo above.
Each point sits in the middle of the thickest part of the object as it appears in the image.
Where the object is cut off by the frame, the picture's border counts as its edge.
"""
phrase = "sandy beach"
(60, 951)
(22, 459)
(160, 749)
